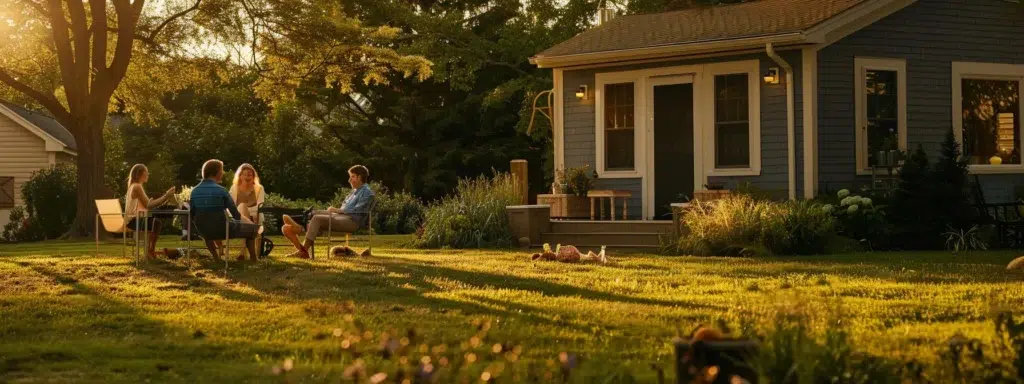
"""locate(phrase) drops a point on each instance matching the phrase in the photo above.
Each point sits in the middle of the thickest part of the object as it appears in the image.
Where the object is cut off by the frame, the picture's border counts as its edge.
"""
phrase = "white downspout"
(790, 117)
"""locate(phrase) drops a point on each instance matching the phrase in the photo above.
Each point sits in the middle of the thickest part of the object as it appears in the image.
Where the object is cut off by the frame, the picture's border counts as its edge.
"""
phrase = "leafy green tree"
(72, 57)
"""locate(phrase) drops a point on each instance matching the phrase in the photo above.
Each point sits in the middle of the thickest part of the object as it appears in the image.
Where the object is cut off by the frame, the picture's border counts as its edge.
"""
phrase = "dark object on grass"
(342, 251)
(714, 361)
(198, 334)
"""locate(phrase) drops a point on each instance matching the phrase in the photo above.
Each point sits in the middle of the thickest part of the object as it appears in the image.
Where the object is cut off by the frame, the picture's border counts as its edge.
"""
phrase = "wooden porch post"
(519, 174)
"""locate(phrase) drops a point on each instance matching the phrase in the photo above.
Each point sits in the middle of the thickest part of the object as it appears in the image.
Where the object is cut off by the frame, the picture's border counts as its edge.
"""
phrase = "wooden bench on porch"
(611, 194)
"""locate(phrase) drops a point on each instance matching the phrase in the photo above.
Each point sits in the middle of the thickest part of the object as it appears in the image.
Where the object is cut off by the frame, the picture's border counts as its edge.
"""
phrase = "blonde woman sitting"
(137, 203)
(247, 192)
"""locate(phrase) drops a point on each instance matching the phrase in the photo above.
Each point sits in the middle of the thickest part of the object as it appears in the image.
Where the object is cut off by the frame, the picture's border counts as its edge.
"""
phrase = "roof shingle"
(46, 123)
(750, 19)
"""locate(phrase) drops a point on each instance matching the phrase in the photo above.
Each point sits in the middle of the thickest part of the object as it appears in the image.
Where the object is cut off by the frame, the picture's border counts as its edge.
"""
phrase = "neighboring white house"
(29, 141)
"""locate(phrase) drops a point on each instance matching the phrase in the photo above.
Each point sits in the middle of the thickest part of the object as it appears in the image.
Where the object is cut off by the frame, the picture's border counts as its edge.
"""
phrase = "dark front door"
(673, 147)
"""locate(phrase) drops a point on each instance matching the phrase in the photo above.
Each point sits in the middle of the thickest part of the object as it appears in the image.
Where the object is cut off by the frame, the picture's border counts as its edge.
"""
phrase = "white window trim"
(639, 123)
(988, 71)
(861, 66)
(707, 99)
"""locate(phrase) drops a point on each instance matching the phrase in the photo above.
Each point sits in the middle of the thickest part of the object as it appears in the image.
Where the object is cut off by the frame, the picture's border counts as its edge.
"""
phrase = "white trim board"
(987, 71)
(810, 121)
(558, 124)
(861, 66)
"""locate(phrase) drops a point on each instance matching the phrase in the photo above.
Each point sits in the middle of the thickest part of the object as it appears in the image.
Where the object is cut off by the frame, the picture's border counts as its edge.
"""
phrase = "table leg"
(625, 213)
(591, 208)
(188, 234)
(611, 207)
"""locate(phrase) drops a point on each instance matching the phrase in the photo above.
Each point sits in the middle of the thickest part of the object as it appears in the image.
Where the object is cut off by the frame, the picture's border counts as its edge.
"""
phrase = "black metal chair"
(213, 226)
(368, 224)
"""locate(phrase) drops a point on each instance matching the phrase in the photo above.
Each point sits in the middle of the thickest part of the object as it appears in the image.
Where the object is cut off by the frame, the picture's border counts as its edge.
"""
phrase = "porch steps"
(614, 234)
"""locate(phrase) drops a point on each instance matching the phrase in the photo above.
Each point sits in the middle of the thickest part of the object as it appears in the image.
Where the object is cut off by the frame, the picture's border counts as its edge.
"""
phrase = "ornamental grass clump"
(743, 226)
(473, 217)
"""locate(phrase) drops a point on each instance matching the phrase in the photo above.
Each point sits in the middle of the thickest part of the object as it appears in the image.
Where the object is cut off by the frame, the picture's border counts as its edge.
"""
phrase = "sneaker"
(300, 254)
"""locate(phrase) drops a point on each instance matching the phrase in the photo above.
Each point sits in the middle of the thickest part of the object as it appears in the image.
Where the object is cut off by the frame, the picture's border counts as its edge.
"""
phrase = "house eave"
(674, 50)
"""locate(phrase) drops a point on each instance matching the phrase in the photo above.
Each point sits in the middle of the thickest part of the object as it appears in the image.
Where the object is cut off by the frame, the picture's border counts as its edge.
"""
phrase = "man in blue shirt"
(209, 199)
(347, 219)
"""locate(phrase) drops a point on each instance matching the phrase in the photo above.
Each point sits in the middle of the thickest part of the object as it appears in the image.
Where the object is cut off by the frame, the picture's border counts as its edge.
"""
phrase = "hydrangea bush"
(858, 218)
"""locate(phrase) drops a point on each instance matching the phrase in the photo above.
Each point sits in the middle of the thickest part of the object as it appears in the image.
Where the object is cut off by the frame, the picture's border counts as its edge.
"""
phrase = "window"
(987, 115)
(881, 102)
(619, 127)
(619, 137)
(6, 192)
(732, 121)
(990, 121)
(731, 118)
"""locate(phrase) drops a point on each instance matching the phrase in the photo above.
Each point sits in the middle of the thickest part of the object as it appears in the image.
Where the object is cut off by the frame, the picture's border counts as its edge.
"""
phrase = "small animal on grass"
(570, 254)
(346, 251)
(1017, 263)
(177, 253)
(342, 251)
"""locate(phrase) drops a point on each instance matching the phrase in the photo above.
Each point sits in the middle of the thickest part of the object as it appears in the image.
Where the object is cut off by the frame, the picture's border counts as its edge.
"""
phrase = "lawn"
(71, 316)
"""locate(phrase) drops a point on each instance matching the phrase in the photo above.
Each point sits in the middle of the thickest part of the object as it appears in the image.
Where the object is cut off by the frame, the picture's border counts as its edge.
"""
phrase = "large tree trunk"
(90, 173)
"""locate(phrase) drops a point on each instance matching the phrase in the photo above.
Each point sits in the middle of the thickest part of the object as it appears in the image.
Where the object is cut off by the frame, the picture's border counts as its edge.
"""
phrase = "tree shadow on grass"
(392, 281)
(69, 331)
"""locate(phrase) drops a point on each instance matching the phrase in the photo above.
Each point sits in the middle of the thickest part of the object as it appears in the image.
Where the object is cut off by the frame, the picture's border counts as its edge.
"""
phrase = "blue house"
(792, 96)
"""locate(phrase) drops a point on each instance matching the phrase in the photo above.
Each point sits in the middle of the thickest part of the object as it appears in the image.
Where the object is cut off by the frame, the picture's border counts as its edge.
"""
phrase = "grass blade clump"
(473, 217)
(743, 226)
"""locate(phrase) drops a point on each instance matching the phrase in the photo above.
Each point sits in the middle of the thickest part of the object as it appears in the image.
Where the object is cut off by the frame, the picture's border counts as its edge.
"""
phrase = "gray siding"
(930, 35)
(579, 126)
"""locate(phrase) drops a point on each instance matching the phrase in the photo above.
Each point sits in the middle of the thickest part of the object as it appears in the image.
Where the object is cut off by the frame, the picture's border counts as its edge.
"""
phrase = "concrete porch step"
(610, 239)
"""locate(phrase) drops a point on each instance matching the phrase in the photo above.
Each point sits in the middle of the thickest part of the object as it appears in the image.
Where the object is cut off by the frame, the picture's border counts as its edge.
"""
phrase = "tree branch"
(62, 43)
(80, 37)
(101, 74)
(99, 40)
(48, 101)
(152, 34)
(127, 19)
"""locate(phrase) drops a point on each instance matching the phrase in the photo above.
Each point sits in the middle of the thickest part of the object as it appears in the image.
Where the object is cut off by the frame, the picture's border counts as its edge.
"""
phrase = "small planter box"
(566, 206)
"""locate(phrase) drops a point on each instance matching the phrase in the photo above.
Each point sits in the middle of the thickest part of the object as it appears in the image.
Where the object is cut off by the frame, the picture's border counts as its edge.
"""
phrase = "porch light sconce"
(772, 76)
(581, 93)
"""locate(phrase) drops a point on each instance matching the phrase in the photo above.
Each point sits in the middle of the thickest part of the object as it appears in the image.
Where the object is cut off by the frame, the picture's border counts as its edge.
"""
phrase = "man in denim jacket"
(347, 219)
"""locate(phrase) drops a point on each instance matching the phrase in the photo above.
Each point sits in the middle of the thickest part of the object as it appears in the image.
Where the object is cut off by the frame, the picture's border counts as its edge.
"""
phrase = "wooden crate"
(565, 205)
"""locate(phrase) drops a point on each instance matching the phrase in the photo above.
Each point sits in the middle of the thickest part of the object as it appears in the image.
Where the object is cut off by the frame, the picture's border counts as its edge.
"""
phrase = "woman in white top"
(137, 202)
(247, 192)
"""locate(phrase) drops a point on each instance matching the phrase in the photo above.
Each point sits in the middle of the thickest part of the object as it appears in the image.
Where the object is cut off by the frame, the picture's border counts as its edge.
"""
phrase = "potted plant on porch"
(569, 193)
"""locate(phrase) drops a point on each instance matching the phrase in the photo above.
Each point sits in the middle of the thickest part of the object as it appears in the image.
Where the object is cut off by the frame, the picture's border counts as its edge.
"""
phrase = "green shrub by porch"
(51, 199)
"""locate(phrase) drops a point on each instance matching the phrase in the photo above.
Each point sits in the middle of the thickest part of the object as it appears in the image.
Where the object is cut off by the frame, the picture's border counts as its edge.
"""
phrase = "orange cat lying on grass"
(569, 254)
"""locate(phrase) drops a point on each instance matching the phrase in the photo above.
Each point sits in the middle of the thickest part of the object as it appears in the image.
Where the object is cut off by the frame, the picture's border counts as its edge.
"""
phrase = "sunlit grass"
(71, 316)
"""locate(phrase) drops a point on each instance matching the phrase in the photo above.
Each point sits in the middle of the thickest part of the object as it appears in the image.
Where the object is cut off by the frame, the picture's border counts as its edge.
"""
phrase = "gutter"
(697, 47)
(790, 116)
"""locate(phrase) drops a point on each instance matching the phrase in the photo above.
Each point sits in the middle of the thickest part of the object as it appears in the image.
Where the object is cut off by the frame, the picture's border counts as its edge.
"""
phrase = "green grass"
(68, 315)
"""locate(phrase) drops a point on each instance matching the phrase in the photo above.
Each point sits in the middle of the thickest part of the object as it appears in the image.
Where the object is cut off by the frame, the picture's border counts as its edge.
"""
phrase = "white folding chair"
(114, 221)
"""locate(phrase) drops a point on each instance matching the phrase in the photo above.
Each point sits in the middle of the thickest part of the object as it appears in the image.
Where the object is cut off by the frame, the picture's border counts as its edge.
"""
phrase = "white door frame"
(648, 179)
